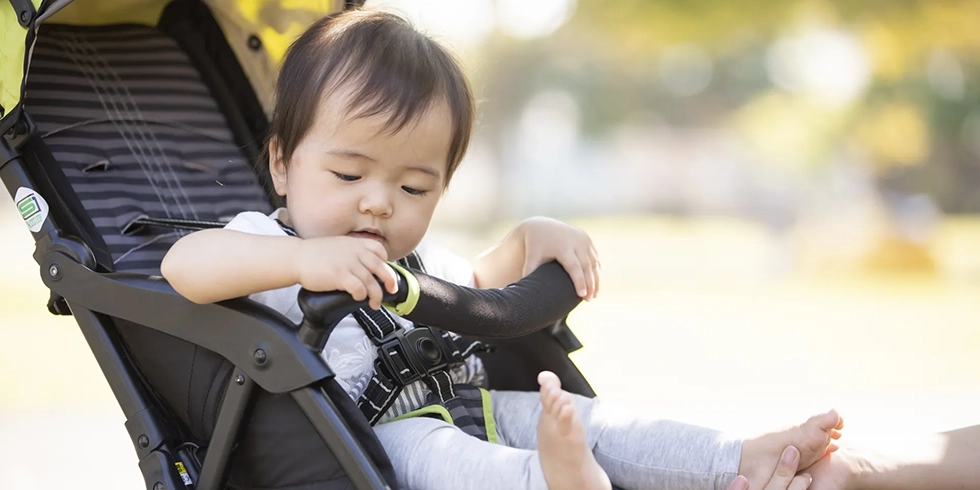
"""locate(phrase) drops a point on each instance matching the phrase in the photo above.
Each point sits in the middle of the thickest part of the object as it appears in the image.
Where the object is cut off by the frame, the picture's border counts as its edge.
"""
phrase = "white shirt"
(349, 352)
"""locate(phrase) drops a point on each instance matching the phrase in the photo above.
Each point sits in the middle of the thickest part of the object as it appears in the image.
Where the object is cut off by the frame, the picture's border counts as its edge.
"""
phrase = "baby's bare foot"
(814, 439)
(565, 457)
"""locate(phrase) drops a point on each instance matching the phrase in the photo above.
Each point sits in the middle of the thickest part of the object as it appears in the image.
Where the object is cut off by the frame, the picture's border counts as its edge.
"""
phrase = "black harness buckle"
(409, 356)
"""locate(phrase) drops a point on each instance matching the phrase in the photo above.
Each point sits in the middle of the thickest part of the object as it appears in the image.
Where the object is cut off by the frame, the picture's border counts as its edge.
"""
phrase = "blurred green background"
(783, 194)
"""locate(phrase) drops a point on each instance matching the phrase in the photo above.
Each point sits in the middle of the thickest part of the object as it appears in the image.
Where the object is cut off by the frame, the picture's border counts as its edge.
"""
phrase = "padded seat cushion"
(137, 133)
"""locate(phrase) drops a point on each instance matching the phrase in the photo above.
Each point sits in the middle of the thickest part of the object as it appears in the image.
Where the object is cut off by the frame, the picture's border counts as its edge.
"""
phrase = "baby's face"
(348, 177)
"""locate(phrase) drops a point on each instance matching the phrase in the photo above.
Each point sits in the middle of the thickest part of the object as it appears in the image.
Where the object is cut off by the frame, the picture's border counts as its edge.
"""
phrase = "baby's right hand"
(346, 264)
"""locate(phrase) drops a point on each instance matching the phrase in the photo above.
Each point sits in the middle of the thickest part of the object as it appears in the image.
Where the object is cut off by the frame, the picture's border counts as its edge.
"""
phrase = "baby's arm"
(220, 264)
(215, 265)
(501, 264)
(534, 242)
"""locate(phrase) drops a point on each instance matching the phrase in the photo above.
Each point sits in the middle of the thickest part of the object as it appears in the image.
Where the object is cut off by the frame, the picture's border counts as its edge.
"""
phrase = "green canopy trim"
(13, 47)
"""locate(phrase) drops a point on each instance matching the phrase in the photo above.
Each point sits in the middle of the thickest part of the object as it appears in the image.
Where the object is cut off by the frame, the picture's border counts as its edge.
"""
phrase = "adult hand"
(784, 477)
(834, 471)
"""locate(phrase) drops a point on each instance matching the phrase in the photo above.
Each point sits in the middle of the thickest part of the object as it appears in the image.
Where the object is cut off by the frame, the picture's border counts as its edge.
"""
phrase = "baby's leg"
(430, 454)
(636, 452)
(566, 458)
(814, 438)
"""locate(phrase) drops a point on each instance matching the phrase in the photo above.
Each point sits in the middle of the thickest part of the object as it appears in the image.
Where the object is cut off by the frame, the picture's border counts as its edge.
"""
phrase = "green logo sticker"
(28, 207)
(33, 208)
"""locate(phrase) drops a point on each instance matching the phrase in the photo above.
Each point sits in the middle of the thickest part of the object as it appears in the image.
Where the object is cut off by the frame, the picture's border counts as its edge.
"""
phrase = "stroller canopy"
(258, 31)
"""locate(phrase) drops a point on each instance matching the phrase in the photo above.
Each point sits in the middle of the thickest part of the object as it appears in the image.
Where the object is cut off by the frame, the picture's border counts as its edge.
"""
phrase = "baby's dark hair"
(391, 68)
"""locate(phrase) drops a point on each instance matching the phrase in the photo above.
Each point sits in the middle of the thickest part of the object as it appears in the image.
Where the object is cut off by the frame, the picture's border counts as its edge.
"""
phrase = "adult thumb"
(739, 483)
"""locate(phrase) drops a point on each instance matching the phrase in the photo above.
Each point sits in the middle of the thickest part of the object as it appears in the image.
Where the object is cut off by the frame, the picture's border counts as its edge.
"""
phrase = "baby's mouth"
(370, 235)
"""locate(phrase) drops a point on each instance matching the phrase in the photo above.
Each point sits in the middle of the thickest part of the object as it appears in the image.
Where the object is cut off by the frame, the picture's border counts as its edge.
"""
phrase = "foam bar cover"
(535, 302)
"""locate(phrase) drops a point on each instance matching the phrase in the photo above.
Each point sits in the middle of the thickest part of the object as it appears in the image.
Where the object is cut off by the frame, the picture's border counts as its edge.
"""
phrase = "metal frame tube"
(238, 394)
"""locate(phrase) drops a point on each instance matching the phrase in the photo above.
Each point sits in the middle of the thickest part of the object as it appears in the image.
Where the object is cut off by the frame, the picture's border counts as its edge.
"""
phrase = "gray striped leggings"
(636, 452)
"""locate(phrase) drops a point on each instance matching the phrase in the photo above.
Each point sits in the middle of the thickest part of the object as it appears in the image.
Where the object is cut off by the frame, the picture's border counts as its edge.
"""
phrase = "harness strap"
(384, 386)
(378, 324)
(381, 391)
(442, 385)
(142, 221)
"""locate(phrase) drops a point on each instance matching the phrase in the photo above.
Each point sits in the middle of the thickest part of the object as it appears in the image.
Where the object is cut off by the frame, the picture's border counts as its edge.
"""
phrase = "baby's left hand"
(547, 239)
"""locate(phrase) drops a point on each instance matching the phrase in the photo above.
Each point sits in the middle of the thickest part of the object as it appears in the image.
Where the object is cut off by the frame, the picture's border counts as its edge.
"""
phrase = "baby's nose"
(377, 203)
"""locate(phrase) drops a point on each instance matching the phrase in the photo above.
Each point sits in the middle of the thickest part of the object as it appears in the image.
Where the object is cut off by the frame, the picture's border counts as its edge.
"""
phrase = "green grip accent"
(488, 420)
(405, 307)
(427, 410)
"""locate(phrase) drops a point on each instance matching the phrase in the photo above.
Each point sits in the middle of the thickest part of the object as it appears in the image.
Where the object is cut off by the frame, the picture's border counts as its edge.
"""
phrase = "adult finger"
(800, 482)
(739, 483)
(785, 470)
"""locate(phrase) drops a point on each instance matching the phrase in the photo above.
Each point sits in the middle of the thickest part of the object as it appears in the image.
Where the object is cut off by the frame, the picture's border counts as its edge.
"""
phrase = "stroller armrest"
(535, 302)
(254, 338)
(540, 299)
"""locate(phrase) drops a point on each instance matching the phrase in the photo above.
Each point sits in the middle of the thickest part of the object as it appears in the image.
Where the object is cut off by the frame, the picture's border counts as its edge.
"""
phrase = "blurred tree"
(911, 121)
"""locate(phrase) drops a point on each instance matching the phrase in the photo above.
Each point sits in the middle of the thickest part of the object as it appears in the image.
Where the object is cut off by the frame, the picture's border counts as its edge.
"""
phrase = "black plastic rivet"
(25, 17)
(143, 441)
(159, 486)
(259, 356)
(54, 271)
(254, 43)
(240, 379)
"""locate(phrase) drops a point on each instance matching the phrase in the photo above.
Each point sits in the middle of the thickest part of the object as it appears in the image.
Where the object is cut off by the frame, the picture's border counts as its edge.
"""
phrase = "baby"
(371, 120)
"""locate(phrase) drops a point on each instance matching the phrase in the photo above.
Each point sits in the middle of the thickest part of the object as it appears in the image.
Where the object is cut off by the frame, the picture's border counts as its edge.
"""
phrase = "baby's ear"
(277, 167)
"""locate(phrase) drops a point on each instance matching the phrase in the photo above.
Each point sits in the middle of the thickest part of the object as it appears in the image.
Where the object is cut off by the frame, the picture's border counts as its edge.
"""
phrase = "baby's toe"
(548, 378)
(824, 422)
(565, 412)
(549, 399)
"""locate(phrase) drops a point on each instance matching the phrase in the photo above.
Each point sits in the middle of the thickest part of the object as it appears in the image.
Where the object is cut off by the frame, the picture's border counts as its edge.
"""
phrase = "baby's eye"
(413, 191)
(345, 177)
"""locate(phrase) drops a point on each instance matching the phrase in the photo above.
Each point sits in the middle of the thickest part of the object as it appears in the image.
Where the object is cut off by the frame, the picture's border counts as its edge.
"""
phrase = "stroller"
(127, 124)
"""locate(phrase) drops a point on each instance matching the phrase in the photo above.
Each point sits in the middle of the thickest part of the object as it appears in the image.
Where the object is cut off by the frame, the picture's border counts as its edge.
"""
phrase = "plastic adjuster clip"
(409, 356)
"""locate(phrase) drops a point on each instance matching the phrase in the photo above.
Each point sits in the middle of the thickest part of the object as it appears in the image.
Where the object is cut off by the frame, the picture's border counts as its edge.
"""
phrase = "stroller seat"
(136, 135)
(137, 140)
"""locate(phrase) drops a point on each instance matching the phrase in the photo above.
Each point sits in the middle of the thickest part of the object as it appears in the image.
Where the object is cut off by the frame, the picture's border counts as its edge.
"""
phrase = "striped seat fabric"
(138, 134)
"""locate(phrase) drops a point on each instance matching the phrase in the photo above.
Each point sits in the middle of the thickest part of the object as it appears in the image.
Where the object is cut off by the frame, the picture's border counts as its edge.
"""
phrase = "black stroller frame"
(241, 331)
(263, 347)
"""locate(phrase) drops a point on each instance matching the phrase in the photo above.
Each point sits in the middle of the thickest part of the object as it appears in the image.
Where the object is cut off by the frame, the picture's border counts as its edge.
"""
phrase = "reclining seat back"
(139, 135)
